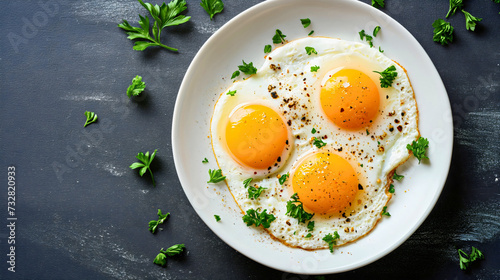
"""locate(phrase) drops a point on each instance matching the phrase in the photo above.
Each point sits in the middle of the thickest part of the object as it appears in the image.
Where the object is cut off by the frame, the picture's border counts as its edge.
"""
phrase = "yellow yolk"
(325, 182)
(350, 99)
(256, 136)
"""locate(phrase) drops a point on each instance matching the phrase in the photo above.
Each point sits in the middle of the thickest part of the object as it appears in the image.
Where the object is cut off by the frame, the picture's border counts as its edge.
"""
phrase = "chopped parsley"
(384, 212)
(248, 69)
(91, 118)
(253, 217)
(318, 142)
(295, 209)
(368, 38)
(309, 235)
(212, 7)
(235, 74)
(161, 258)
(454, 5)
(313, 130)
(380, 50)
(145, 165)
(267, 48)
(443, 32)
(470, 21)
(376, 30)
(310, 50)
(305, 22)
(378, 3)
(397, 177)
(217, 218)
(367, 132)
(465, 259)
(279, 37)
(418, 148)
(283, 178)
(153, 225)
(136, 87)
(310, 226)
(205, 160)
(164, 15)
(331, 240)
(314, 68)
(310, 33)
(391, 188)
(231, 92)
(215, 176)
(247, 182)
(387, 76)
(254, 193)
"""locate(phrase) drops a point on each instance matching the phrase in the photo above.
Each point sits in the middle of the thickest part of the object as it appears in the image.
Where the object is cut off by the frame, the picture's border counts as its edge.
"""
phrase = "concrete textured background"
(89, 222)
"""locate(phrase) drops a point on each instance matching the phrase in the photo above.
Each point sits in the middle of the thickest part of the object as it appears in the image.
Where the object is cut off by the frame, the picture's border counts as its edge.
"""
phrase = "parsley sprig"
(384, 212)
(305, 22)
(136, 87)
(318, 142)
(253, 217)
(164, 15)
(314, 68)
(145, 165)
(387, 76)
(397, 177)
(283, 178)
(470, 21)
(253, 192)
(378, 3)
(246, 68)
(331, 240)
(215, 176)
(91, 117)
(279, 37)
(418, 148)
(311, 50)
(443, 32)
(153, 225)
(454, 5)
(212, 7)
(161, 258)
(368, 38)
(465, 259)
(295, 209)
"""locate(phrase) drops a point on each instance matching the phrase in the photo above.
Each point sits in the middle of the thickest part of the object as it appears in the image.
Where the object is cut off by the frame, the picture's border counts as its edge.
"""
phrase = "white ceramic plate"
(244, 37)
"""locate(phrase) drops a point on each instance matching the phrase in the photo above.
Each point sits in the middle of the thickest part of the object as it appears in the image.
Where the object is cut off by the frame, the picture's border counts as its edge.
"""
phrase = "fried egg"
(325, 121)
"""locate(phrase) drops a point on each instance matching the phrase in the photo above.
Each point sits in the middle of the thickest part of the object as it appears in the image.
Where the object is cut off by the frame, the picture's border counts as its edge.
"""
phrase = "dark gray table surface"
(89, 222)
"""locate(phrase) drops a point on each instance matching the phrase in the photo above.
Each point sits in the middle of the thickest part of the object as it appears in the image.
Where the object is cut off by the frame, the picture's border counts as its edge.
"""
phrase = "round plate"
(244, 38)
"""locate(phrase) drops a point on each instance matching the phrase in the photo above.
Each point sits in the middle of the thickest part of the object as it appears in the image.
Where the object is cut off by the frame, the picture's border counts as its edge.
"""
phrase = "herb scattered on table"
(153, 225)
(161, 258)
(136, 87)
(212, 7)
(91, 118)
(146, 160)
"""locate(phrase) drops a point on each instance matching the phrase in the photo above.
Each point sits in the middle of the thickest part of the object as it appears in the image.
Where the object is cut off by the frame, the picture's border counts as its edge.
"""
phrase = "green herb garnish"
(397, 177)
(454, 5)
(368, 38)
(418, 148)
(161, 258)
(145, 165)
(136, 87)
(205, 160)
(253, 217)
(310, 226)
(217, 218)
(215, 176)
(313, 130)
(384, 212)
(305, 22)
(283, 178)
(153, 225)
(212, 7)
(470, 21)
(231, 92)
(310, 50)
(247, 182)
(164, 15)
(378, 3)
(295, 209)
(235, 74)
(318, 142)
(314, 68)
(268, 48)
(91, 117)
(331, 240)
(387, 76)
(254, 193)
(310, 33)
(248, 69)
(443, 32)
(465, 259)
(279, 37)
(376, 30)
(391, 188)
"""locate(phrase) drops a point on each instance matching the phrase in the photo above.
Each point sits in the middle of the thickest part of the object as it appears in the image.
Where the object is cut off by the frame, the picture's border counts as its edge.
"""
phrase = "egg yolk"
(325, 182)
(350, 99)
(256, 136)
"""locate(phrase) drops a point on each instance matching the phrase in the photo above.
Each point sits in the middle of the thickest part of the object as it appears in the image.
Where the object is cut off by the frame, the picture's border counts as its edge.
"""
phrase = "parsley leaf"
(305, 22)
(173, 250)
(368, 38)
(279, 37)
(397, 177)
(310, 50)
(387, 76)
(231, 92)
(164, 15)
(418, 148)
(253, 217)
(283, 178)
(268, 48)
(384, 212)
(314, 68)
(254, 193)
(205, 160)
(470, 21)
(310, 33)
(247, 182)
(248, 69)
(391, 188)
(215, 176)
(136, 87)
(91, 117)
(145, 165)
(212, 7)
(376, 30)
(454, 5)
(331, 240)
(295, 209)
(217, 218)
(443, 32)
(367, 132)
(310, 226)
(380, 50)
(379, 3)
(160, 259)
(465, 259)
(235, 74)
(318, 142)
(153, 225)
(309, 235)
